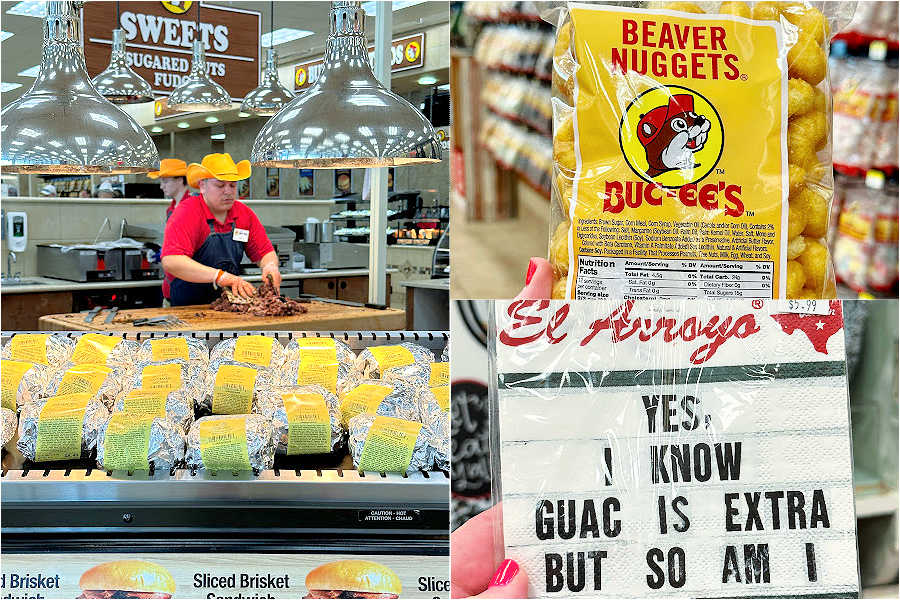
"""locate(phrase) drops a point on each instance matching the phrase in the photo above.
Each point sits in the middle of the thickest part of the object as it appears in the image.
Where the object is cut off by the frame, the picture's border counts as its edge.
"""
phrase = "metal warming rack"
(64, 505)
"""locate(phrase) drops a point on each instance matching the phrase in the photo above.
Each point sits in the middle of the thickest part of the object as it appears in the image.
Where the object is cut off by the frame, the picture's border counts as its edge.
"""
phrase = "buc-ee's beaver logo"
(671, 136)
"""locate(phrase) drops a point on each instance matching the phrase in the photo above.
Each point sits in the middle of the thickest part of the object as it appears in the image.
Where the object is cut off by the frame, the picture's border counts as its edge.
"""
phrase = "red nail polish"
(505, 573)
(532, 267)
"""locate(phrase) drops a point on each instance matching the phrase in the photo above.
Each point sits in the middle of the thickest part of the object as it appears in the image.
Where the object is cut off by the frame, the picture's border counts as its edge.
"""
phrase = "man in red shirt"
(208, 234)
(173, 182)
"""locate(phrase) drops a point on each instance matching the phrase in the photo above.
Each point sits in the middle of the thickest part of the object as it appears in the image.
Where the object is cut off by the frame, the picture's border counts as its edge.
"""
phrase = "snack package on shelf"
(692, 150)
(656, 449)
(883, 269)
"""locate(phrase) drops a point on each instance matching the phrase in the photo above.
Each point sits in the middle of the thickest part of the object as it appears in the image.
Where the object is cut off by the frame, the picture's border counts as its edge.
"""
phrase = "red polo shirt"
(187, 230)
(171, 207)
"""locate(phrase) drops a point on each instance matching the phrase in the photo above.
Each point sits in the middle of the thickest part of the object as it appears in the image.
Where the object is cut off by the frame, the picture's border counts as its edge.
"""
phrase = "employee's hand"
(271, 269)
(472, 571)
(238, 286)
(538, 280)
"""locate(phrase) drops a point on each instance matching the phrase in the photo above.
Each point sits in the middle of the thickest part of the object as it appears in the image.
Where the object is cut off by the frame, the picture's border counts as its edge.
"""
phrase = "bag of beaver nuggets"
(692, 150)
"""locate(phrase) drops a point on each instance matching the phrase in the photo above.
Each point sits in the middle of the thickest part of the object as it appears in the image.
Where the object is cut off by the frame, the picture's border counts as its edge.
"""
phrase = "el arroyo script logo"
(671, 136)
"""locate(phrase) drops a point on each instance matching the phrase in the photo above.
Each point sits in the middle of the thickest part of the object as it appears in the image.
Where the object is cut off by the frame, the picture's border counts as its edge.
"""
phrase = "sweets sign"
(159, 40)
(407, 52)
(692, 449)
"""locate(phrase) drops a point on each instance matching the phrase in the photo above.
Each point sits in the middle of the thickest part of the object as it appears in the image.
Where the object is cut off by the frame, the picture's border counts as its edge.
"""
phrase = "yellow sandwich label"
(11, 374)
(309, 425)
(31, 347)
(83, 379)
(363, 398)
(169, 348)
(93, 348)
(389, 446)
(165, 377)
(440, 374)
(254, 349)
(233, 390)
(223, 444)
(127, 442)
(145, 401)
(442, 396)
(391, 356)
(60, 424)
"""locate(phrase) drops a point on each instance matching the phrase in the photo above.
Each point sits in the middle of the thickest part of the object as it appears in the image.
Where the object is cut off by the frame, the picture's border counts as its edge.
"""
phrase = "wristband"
(218, 274)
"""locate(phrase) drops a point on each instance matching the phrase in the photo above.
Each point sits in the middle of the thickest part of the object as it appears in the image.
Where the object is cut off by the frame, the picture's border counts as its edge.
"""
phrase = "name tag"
(241, 235)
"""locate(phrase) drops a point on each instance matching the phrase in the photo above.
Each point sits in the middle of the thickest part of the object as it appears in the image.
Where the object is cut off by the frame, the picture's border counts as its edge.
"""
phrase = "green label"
(127, 442)
(389, 446)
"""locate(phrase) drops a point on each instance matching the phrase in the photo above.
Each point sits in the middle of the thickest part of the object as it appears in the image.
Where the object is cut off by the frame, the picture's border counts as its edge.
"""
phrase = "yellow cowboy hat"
(217, 166)
(170, 167)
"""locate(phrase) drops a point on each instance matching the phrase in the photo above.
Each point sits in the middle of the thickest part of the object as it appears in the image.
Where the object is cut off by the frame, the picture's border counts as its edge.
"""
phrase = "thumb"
(538, 280)
(509, 581)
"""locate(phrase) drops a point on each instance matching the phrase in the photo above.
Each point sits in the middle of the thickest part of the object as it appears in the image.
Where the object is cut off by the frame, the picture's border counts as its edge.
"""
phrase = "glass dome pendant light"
(346, 118)
(268, 98)
(62, 125)
(118, 83)
(199, 93)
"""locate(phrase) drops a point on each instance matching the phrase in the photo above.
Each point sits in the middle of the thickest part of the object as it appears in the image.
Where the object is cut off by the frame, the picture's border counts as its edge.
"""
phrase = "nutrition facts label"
(640, 278)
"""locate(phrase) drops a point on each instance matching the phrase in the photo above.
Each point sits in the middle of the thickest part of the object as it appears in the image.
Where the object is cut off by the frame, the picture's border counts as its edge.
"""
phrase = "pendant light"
(268, 98)
(346, 118)
(199, 92)
(118, 83)
(62, 125)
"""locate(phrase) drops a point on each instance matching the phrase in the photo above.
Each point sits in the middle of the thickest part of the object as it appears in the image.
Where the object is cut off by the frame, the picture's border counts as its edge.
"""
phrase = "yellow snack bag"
(690, 150)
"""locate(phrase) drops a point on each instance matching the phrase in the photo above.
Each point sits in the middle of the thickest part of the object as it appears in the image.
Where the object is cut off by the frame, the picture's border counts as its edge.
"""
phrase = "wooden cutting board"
(322, 316)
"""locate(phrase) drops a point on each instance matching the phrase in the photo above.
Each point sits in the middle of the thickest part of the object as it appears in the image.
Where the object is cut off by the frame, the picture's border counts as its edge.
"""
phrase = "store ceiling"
(23, 49)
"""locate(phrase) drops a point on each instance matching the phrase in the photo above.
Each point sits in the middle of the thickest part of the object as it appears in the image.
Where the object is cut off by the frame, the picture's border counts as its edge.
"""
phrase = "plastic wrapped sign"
(674, 448)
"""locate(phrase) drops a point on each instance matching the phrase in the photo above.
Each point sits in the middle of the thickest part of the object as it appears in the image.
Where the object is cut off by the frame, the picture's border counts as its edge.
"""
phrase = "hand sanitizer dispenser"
(16, 230)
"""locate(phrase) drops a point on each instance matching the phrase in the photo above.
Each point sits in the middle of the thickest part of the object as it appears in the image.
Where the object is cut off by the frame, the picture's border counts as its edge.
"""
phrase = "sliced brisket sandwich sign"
(160, 35)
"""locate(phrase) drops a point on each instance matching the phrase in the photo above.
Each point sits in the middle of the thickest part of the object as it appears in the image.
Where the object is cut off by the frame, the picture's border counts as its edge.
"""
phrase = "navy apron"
(219, 251)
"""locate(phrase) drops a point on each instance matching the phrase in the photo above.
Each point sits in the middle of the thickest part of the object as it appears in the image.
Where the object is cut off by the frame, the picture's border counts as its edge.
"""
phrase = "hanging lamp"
(62, 125)
(199, 93)
(118, 83)
(268, 98)
(346, 118)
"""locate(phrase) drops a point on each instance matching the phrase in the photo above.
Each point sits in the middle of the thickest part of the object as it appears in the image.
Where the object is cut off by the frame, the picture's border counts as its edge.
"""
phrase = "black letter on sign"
(553, 565)
(756, 563)
(597, 556)
(611, 527)
(562, 519)
(655, 581)
(677, 578)
(819, 516)
(685, 521)
(543, 527)
(811, 562)
(576, 575)
(730, 566)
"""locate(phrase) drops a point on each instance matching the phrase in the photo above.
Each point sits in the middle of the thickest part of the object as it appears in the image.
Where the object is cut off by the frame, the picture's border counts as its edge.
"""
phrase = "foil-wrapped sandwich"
(103, 383)
(377, 397)
(433, 399)
(8, 431)
(176, 406)
(437, 422)
(131, 441)
(232, 388)
(419, 375)
(336, 377)
(23, 382)
(445, 355)
(49, 349)
(113, 351)
(185, 348)
(170, 375)
(231, 443)
(322, 349)
(305, 419)
(374, 360)
(389, 445)
(259, 350)
(60, 427)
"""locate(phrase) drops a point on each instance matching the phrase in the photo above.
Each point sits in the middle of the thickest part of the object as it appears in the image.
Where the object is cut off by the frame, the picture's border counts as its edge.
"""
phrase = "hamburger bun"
(129, 576)
(354, 576)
